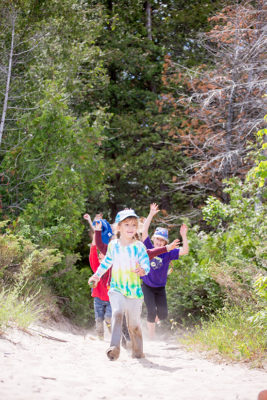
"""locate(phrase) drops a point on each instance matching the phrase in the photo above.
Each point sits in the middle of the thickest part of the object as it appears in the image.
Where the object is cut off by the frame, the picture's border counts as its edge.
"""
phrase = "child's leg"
(149, 299)
(117, 301)
(161, 303)
(108, 314)
(125, 334)
(99, 308)
(133, 317)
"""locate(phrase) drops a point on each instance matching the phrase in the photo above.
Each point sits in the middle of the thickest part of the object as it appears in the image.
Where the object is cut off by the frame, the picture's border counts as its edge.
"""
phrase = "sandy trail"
(37, 367)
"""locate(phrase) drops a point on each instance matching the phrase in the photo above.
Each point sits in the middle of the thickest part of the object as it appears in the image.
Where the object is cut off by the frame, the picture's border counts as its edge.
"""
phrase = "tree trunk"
(148, 20)
(8, 80)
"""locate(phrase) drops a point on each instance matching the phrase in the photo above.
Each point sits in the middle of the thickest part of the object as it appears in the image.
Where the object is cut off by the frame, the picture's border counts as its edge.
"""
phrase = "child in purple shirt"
(154, 282)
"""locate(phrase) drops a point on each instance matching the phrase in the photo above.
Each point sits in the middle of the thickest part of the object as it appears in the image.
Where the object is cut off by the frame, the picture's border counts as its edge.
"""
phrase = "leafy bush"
(73, 293)
(16, 311)
(259, 319)
(234, 256)
(27, 270)
(23, 261)
(191, 290)
(222, 265)
(23, 290)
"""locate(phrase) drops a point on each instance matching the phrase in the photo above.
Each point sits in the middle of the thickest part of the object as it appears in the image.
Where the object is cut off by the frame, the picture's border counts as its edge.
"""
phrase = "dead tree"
(226, 100)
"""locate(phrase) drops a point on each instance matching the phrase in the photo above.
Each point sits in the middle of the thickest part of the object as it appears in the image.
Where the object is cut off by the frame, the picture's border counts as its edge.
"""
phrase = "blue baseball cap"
(125, 214)
(106, 231)
(161, 233)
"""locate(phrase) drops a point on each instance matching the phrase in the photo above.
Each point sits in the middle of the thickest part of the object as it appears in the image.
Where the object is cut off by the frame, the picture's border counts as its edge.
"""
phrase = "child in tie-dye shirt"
(129, 261)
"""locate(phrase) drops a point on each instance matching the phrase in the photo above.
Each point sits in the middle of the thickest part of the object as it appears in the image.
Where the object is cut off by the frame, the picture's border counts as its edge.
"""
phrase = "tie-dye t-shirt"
(124, 260)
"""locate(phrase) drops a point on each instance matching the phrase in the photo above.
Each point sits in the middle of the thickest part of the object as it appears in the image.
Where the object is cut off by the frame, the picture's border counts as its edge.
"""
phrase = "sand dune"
(59, 363)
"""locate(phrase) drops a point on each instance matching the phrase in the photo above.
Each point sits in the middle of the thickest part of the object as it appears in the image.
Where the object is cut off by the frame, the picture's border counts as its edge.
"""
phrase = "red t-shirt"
(101, 291)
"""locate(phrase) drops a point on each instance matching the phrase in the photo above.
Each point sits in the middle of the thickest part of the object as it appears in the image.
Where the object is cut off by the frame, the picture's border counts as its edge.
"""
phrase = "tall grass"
(230, 334)
(15, 311)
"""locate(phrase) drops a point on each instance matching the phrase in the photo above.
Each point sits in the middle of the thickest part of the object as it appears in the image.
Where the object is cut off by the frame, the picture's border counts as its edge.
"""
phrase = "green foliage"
(140, 161)
(215, 211)
(223, 265)
(71, 287)
(191, 290)
(55, 169)
(16, 311)
(22, 284)
(259, 172)
(236, 253)
(26, 274)
(259, 319)
(22, 261)
(229, 334)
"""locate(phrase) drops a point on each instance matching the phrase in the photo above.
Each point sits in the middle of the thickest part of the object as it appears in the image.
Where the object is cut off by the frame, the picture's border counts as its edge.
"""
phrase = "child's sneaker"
(113, 353)
(138, 355)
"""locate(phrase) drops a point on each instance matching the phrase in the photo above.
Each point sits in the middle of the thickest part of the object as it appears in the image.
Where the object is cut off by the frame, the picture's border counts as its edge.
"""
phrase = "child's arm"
(103, 267)
(88, 219)
(102, 247)
(185, 249)
(93, 257)
(156, 251)
(143, 267)
(154, 209)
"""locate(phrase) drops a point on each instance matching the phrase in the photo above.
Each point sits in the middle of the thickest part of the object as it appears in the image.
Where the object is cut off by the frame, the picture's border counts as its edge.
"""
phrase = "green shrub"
(15, 311)
(23, 291)
(259, 318)
(229, 333)
(70, 285)
(191, 292)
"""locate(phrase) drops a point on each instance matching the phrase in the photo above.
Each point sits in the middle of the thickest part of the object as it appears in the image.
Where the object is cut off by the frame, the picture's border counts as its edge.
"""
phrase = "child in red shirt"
(102, 305)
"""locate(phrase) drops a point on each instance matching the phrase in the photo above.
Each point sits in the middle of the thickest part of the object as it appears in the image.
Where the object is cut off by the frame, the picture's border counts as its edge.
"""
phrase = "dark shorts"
(155, 301)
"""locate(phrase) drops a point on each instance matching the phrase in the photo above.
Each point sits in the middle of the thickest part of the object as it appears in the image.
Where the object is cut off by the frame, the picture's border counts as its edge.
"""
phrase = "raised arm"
(154, 209)
(103, 267)
(88, 219)
(93, 258)
(185, 249)
(102, 247)
(156, 251)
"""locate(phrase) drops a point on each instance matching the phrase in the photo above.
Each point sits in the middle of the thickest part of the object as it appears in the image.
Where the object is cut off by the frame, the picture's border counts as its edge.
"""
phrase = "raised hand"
(87, 217)
(173, 245)
(93, 281)
(183, 230)
(154, 209)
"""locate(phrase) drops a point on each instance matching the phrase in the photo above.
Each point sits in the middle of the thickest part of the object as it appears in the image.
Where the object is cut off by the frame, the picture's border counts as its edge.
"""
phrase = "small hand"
(87, 217)
(173, 245)
(139, 271)
(154, 209)
(93, 281)
(183, 230)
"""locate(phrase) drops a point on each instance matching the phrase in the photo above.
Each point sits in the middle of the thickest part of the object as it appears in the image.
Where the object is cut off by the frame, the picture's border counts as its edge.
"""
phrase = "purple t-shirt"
(157, 276)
